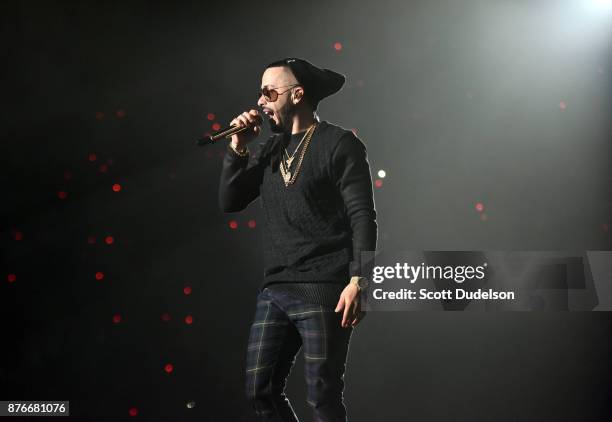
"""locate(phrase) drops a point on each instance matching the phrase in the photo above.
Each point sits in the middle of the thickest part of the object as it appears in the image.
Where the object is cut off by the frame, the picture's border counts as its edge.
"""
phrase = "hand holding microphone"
(243, 129)
(252, 121)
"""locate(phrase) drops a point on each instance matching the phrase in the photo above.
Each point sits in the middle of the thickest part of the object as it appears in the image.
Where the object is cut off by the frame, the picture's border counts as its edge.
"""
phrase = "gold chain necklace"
(288, 177)
(289, 160)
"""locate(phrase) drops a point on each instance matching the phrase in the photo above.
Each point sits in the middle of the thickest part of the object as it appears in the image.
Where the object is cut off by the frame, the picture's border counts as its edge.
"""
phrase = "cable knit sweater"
(314, 229)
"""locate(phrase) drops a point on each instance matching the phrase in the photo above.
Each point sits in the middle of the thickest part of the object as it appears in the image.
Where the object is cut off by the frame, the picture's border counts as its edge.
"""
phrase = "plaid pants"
(282, 325)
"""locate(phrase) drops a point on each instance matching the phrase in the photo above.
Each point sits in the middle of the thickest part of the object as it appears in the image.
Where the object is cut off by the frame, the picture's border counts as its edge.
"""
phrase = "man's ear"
(297, 95)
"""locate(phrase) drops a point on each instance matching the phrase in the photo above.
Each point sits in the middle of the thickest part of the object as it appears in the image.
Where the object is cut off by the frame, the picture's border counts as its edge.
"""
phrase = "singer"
(313, 178)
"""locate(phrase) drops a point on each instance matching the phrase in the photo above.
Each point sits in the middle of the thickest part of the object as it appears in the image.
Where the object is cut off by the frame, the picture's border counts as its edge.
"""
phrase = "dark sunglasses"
(271, 95)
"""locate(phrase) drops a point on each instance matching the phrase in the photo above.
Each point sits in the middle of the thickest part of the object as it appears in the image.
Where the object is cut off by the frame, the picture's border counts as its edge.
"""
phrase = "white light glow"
(604, 4)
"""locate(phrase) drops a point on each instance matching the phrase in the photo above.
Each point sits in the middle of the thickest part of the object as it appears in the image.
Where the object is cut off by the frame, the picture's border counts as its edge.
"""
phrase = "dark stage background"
(126, 291)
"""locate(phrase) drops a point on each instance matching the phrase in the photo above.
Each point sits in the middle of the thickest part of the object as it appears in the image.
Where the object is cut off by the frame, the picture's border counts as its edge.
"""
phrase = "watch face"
(363, 283)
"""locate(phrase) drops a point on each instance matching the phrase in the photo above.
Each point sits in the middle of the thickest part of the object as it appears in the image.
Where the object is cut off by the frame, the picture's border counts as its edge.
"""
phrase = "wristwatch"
(361, 282)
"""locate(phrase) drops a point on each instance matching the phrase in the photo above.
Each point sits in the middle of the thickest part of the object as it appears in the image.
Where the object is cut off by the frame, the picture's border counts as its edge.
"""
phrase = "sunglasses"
(271, 95)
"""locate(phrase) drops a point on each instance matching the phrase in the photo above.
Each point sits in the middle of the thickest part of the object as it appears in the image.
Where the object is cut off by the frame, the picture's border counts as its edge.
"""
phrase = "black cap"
(318, 83)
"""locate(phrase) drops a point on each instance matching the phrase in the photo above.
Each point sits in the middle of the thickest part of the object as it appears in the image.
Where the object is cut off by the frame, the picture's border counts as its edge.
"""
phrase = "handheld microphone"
(224, 133)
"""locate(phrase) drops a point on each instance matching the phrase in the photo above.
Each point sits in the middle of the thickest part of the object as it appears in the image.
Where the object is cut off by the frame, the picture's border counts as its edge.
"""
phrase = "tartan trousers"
(283, 325)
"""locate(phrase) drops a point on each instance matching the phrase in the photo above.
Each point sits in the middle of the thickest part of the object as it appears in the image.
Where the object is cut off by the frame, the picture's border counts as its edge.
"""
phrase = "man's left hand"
(350, 302)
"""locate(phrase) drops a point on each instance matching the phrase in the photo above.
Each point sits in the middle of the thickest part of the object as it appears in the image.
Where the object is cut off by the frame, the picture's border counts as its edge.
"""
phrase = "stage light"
(189, 320)
(116, 187)
(252, 224)
(168, 368)
(233, 224)
(11, 278)
(187, 290)
(210, 116)
(378, 183)
(99, 275)
(382, 174)
(116, 318)
(479, 206)
(216, 126)
(92, 157)
(337, 46)
(133, 411)
(109, 240)
(62, 194)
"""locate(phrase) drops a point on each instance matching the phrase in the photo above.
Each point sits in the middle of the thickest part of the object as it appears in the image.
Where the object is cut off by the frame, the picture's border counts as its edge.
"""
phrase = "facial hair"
(285, 115)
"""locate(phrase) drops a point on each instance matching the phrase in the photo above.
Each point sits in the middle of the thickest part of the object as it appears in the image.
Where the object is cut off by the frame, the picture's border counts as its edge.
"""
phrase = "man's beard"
(284, 115)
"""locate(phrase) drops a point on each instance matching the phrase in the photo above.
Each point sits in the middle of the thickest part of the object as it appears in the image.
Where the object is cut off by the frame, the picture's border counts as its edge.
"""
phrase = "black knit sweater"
(314, 229)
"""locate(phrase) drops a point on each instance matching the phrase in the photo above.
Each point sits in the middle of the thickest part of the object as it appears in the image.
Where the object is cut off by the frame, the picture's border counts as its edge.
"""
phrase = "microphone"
(224, 133)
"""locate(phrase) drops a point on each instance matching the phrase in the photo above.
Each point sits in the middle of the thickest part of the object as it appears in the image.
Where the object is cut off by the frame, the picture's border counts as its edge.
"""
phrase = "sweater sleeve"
(240, 181)
(351, 171)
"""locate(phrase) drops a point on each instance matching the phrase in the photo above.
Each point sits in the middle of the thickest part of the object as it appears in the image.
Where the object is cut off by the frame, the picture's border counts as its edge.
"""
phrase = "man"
(314, 181)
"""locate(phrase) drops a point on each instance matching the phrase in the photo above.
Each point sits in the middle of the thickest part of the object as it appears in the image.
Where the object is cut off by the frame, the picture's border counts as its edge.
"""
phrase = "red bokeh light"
(188, 319)
(109, 240)
(133, 411)
(17, 235)
(216, 126)
(168, 368)
(103, 168)
(187, 290)
(210, 116)
(99, 275)
(479, 206)
(120, 113)
(252, 224)
(337, 46)
(378, 183)
(116, 187)
(11, 278)
(233, 224)
(116, 318)
(92, 157)
(165, 317)
(62, 194)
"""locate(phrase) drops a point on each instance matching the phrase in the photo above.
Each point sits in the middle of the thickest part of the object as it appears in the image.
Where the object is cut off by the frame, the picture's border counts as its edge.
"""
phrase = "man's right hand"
(253, 120)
